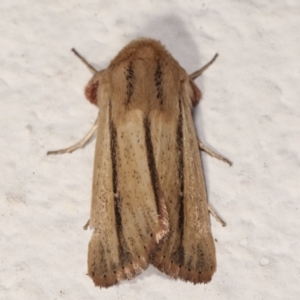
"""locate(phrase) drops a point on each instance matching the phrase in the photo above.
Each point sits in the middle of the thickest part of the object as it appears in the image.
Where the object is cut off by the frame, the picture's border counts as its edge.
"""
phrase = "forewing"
(128, 210)
(188, 251)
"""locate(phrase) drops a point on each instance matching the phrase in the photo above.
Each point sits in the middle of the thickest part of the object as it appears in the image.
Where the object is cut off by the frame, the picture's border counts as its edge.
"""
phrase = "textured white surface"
(250, 112)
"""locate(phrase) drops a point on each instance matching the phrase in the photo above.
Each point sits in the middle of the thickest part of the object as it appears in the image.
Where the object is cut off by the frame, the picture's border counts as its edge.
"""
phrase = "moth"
(149, 202)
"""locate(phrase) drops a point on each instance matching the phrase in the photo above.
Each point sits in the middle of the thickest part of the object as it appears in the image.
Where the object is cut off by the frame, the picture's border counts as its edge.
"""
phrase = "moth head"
(91, 90)
(196, 93)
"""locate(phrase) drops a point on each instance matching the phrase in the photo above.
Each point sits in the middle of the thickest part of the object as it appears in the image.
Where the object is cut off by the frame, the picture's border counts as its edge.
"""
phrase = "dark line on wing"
(179, 254)
(130, 79)
(158, 83)
(151, 163)
(113, 150)
(124, 254)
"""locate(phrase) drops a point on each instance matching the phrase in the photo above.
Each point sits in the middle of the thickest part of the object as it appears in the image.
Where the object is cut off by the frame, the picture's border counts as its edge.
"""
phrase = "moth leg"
(212, 153)
(80, 144)
(215, 215)
(198, 73)
(90, 67)
(86, 226)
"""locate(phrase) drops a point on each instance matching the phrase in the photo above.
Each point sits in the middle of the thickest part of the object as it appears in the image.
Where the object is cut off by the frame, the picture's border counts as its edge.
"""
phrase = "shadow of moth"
(149, 203)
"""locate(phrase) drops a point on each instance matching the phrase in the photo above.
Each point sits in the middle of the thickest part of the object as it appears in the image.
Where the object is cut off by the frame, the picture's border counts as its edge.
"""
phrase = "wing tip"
(127, 272)
(186, 274)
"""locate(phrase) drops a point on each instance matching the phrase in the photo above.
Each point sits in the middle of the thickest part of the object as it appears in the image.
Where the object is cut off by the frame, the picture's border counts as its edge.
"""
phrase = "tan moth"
(149, 203)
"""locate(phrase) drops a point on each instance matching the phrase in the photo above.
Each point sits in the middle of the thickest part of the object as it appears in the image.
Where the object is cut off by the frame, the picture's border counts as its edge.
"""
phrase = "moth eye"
(91, 91)
(196, 93)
